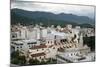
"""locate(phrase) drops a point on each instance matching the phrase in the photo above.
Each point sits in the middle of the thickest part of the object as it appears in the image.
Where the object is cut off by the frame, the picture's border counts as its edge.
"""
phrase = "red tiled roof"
(39, 47)
(38, 54)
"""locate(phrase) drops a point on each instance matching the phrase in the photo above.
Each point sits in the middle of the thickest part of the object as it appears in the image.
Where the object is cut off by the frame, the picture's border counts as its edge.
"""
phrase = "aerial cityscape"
(43, 36)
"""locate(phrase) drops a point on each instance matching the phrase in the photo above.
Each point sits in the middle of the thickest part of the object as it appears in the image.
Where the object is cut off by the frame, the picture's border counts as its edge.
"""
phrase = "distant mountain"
(32, 17)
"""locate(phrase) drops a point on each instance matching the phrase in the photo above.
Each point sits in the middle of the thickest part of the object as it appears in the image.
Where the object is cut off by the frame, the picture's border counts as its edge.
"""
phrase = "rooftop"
(39, 47)
(38, 54)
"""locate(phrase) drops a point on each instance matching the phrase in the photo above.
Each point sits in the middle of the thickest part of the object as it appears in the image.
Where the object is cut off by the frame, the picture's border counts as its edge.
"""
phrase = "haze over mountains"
(33, 17)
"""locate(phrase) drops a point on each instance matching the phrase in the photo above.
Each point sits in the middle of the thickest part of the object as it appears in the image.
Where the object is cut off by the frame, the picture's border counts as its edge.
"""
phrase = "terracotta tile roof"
(38, 54)
(39, 47)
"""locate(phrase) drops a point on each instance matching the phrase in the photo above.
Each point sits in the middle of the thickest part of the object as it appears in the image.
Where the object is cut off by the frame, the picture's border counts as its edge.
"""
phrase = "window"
(17, 47)
(53, 47)
(13, 36)
(48, 41)
(60, 40)
(63, 40)
(32, 43)
(20, 46)
(78, 40)
(55, 36)
(40, 57)
(71, 54)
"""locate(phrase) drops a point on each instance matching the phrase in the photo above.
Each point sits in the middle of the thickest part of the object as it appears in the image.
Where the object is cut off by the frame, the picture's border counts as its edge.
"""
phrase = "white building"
(41, 43)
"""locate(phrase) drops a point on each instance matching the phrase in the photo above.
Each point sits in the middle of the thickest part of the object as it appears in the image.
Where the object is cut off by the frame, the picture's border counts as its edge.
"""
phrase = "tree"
(34, 62)
(17, 59)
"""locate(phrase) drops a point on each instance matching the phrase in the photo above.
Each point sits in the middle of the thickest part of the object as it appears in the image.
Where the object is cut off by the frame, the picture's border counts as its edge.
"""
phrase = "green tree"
(34, 62)
(17, 59)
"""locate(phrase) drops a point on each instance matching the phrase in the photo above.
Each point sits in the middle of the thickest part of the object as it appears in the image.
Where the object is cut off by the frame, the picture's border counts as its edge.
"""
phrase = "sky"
(79, 10)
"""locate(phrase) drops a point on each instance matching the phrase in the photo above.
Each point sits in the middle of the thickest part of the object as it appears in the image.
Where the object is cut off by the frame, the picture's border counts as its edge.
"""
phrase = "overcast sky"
(55, 8)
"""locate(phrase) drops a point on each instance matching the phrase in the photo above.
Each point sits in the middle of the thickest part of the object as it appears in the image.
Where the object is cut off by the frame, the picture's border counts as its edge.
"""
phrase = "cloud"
(54, 8)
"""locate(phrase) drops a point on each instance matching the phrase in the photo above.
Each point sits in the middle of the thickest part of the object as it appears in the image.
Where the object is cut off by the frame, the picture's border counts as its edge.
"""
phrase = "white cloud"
(55, 8)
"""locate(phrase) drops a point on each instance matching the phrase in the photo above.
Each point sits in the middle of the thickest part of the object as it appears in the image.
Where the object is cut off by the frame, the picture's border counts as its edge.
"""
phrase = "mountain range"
(48, 18)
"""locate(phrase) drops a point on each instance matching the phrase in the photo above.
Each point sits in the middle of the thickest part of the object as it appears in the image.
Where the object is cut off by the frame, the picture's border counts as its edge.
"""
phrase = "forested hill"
(35, 17)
